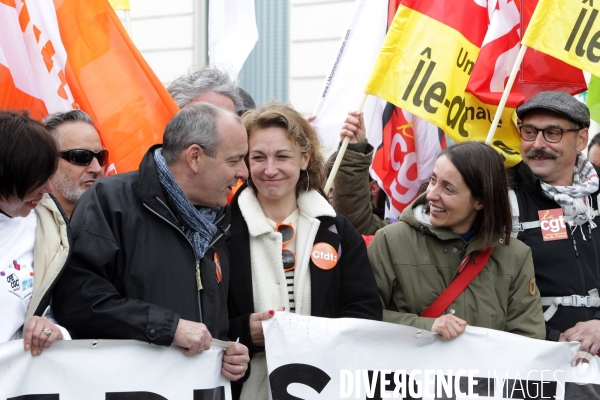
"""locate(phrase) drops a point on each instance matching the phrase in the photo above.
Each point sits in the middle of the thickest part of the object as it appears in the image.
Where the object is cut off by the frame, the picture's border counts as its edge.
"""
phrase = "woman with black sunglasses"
(33, 234)
(289, 250)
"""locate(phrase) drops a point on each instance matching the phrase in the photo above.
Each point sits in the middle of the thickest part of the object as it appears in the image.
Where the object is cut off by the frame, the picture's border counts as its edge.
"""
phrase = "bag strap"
(460, 283)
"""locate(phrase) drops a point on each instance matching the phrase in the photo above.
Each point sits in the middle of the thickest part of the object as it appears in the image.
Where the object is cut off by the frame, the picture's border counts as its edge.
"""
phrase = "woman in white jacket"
(33, 233)
(288, 248)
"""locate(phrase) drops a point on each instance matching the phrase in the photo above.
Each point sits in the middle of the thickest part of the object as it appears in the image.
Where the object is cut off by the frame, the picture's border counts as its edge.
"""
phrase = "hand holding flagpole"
(342, 151)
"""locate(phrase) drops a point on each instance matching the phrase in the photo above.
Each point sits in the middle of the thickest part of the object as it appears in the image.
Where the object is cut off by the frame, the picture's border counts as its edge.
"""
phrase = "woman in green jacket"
(464, 211)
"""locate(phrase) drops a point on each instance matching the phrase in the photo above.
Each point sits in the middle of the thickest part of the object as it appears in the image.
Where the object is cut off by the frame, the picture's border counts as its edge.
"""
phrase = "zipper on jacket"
(200, 307)
(224, 232)
(167, 208)
(198, 278)
(463, 252)
(595, 247)
(198, 281)
(573, 231)
(579, 264)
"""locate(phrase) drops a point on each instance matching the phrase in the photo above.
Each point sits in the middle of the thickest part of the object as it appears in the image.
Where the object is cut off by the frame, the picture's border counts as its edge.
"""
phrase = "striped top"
(292, 219)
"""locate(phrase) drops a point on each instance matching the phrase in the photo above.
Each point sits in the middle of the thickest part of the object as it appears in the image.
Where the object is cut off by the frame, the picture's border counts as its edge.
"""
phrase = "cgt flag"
(425, 64)
(568, 30)
(404, 159)
(65, 54)
(538, 71)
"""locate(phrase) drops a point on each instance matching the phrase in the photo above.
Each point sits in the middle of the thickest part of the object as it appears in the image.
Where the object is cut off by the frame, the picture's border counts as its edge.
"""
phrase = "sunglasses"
(288, 257)
(84, 157)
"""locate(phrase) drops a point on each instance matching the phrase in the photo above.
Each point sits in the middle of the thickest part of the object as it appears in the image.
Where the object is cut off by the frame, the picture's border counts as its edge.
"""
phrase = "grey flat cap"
(559, 102)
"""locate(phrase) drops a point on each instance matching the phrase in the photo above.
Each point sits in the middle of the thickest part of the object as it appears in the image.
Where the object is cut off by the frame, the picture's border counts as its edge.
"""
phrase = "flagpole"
(342, 151)
(507, 89)
(127, 22)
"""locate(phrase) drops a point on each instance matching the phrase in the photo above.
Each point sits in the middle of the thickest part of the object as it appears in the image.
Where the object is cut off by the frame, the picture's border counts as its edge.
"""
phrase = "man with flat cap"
(555, 199)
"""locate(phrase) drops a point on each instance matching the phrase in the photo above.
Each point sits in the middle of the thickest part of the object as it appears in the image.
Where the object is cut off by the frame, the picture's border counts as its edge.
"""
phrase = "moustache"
(543, 154)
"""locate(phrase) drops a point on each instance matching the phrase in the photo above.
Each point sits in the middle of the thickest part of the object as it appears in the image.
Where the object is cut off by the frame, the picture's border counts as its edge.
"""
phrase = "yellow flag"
(568, 30)
(119, 5)
(424, 67)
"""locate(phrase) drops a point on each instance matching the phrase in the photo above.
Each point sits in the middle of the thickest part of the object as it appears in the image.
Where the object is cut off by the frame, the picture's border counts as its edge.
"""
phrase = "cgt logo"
(552, 224)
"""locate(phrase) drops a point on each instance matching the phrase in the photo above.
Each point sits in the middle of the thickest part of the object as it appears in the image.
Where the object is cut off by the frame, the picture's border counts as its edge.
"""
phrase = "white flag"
(232, 33)
(354, 60)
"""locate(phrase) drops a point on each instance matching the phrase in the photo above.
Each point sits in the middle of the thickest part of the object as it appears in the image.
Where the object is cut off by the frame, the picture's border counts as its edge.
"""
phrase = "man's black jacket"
(562, 267)
(132, 271)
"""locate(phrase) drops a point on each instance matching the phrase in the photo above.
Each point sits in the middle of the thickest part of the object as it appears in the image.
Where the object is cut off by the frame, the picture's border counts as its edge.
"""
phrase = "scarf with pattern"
(576, 199)
(198, 222)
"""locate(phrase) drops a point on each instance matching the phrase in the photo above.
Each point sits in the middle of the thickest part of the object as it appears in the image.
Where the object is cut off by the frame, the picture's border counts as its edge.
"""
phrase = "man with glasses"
(555, 199)
(82, 157)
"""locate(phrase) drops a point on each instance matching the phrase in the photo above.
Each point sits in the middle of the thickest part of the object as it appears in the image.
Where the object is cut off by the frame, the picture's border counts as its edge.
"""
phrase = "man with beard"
(556, 193)
(82, 157)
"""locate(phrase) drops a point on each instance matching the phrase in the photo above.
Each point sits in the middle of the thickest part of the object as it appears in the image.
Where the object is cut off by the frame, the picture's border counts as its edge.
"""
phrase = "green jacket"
(414, 262)
(351, 194)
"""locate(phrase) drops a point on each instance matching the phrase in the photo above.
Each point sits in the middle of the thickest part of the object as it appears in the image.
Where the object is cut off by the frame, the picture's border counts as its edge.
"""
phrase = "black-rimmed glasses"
(551, 134)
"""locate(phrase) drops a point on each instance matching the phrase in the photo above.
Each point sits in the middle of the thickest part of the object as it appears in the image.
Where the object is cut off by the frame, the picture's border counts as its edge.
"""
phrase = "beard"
(69, 189)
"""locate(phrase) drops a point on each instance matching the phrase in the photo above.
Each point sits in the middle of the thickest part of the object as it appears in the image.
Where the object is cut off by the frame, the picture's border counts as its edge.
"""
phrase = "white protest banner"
(112, 370)
(318, 358)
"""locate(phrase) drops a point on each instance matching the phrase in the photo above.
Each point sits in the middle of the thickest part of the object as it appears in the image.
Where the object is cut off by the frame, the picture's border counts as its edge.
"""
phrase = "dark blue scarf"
(199, 223)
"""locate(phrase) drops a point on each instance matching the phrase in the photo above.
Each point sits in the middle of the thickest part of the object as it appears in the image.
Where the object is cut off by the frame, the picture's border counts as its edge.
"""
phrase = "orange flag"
(64, 54)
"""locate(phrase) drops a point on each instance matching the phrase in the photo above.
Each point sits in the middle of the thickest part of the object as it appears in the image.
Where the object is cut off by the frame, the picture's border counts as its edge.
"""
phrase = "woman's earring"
(307, 180)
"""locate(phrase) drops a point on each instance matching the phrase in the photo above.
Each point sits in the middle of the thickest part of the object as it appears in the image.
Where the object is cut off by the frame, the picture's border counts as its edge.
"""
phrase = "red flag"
(538, 72)
(452, 14)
